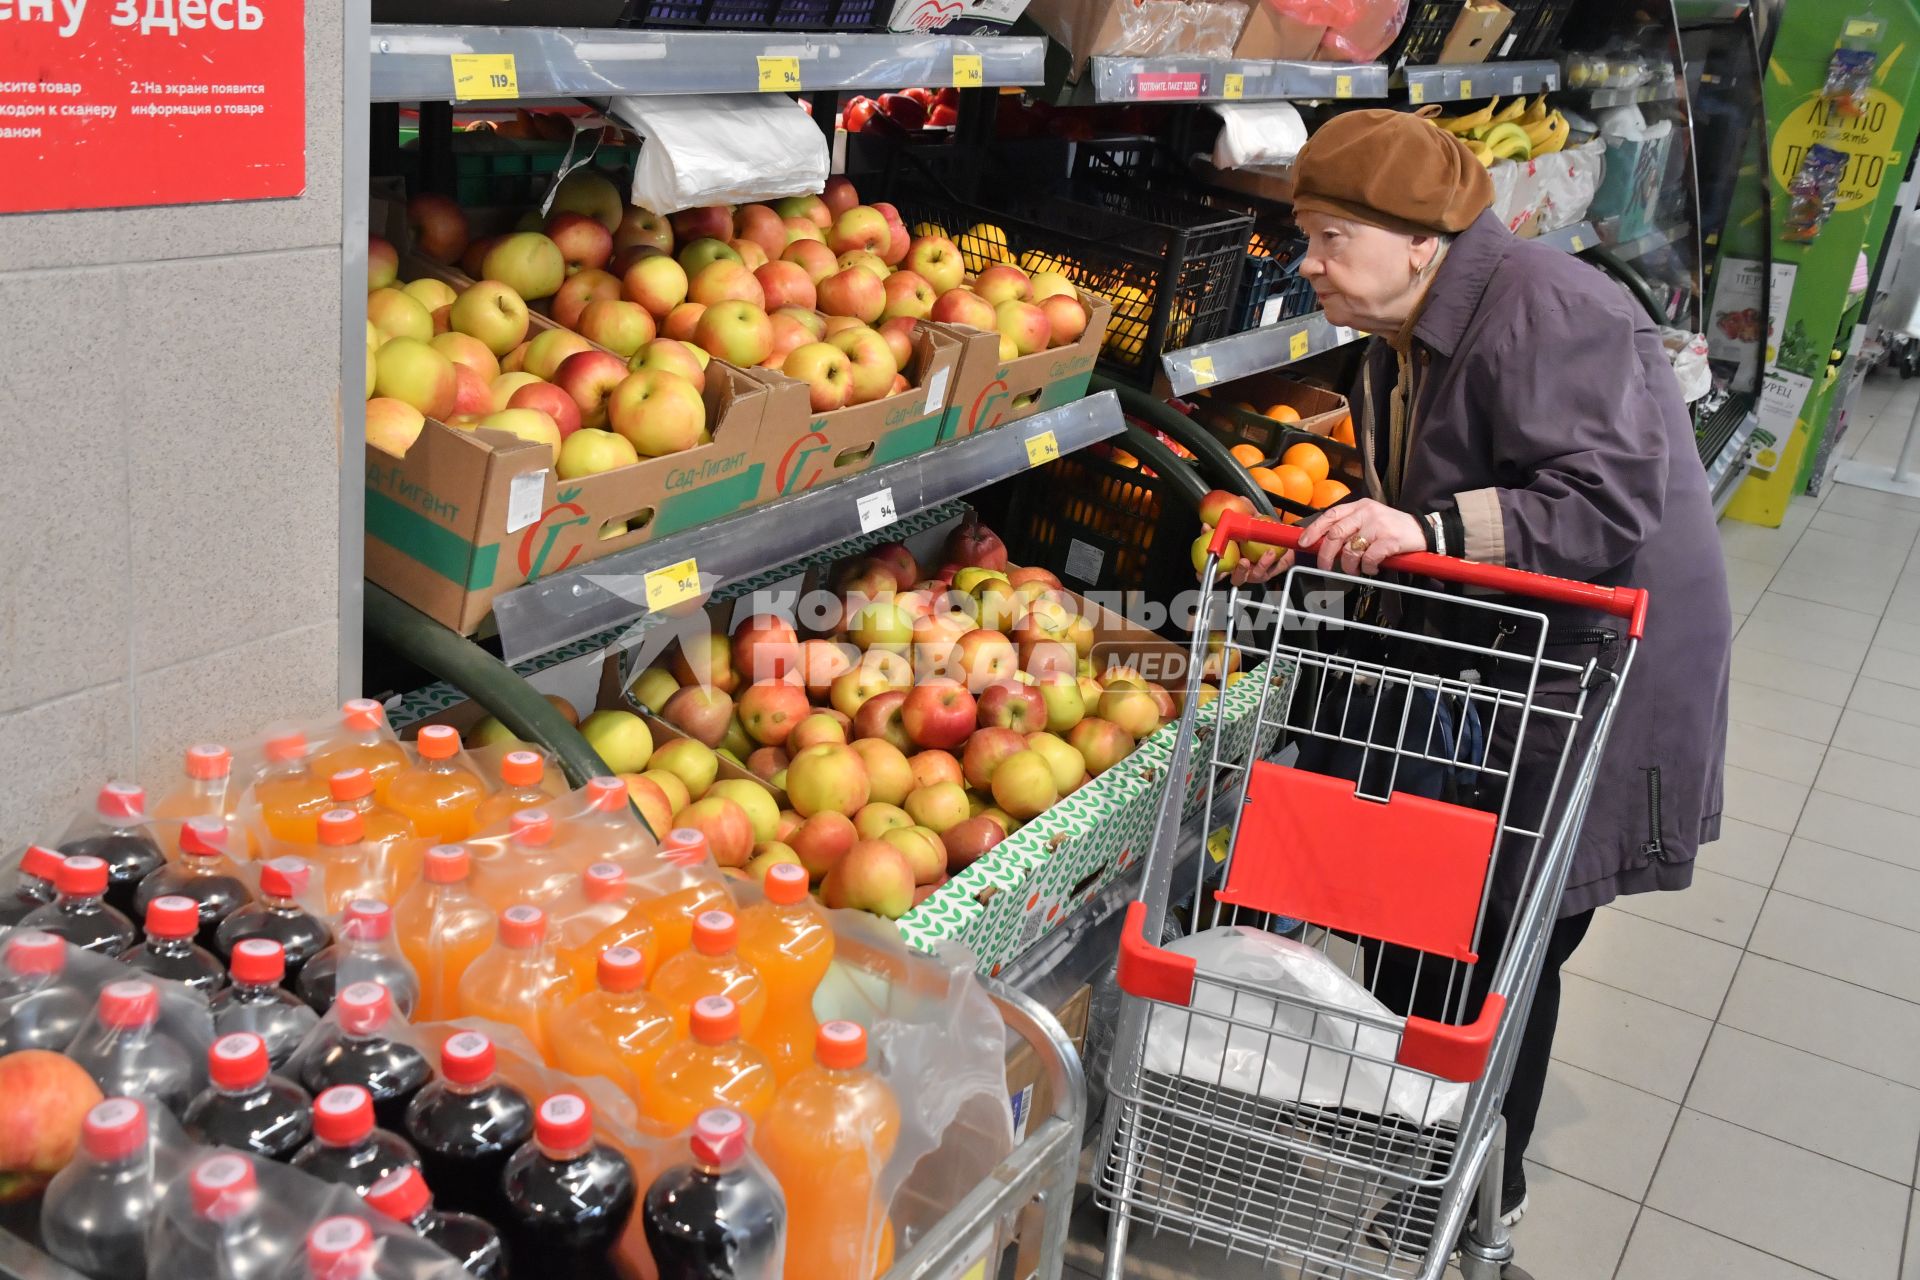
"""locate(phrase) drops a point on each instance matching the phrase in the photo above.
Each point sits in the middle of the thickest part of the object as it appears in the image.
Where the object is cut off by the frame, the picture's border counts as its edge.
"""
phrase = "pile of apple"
(1213, 506)
(945, 711)
(908, 111)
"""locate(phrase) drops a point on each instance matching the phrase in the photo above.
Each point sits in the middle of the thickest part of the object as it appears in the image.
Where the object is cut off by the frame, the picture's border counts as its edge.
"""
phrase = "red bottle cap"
(438, 742)
(122, 802)
(719, 1137)
(466, 1058)
(114, 1129)
(339, 1249)
(603, 882)
(285, 877)
(41, 862)
(621, 969)
(607, 795)
(340, 827)
(533, 826)
(288, 746)
(350, 784)
(786, 883)
(208, 761)
(81, 876)
(362, 714)
(522, 768)
(685, 846)
(564, 1123)
(31, 951)
(365, 1007)
(238, 1061)
(173, 916)
(447, 864)
(129, 1004)
(258, 962)
(523, 925)
(204, 836)
(841, 1045)
(343, 1115)
(402, 1195)
(367, 920)
(715, 933)
(714, 1020)
(220, 1184)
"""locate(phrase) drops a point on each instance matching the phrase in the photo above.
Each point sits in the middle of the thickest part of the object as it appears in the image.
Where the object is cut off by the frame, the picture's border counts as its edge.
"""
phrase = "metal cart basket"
(1447, 764)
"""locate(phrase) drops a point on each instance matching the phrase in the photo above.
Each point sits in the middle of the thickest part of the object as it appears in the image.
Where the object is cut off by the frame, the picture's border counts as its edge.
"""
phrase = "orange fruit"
(1310, 458)
(1293, 484)
(1343, 430)
(1264, 478)
(1327, 492)
(1247, 455)
(1283, 413)
(1125, 459)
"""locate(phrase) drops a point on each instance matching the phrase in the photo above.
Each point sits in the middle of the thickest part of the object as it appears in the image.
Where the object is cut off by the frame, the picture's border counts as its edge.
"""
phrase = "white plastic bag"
(1258, 133)
(1688, 351)
(724, 149)
(1283, 1066)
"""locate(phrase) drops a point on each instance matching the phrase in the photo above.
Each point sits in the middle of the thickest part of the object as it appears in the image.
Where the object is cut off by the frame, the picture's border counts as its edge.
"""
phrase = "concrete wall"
(170, 447)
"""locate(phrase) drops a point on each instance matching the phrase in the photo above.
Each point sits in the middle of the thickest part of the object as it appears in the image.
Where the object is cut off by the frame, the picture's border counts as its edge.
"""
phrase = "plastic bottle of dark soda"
(346, 1147)
(278, 915)
(39, 1008)
(33, 885)
(226, 1236)
(127, 1052)
(170, 950)
(119, 837)
(203, 873)
(718, 1218)
(364, 951)
(466, 1124)
(79, 913)
(568, 1197)
(367, 1054)
(246, 1107)
(403, 1196)
(95, 1214)
(257, 1002)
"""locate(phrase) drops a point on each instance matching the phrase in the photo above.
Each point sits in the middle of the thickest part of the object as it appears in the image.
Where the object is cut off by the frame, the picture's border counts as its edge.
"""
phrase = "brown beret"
(1392, 170)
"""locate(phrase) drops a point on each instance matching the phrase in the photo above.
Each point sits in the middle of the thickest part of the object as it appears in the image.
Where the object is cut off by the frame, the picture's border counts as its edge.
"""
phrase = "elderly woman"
(1515, 406)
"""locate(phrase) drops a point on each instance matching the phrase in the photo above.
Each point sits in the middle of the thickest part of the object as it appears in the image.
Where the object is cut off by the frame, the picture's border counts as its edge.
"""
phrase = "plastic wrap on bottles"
(1258, 133)
(1306, 1057)
(1366, 34)
(116, 831)
(364, 950)
(722, 149)
(96, 1212)
(365, 1039)
(146, 1038)
(721, 1208)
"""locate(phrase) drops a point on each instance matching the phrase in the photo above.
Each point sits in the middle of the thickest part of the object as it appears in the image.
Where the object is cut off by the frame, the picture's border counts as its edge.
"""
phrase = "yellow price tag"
(1858, 27)
(779, 75)
(1466, 88)
(967, 72)
(1297, 345)
(671, 585)
(1343, 86)
(1577, 243)
(1203, 373)
(1217, 844)
(1417, 92)
(478, 76)
(1042, 448)
(978, 1271)
(1234, 87)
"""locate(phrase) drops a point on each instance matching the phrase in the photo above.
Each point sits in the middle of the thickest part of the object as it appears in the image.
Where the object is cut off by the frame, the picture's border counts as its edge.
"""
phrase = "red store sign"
(116, 103)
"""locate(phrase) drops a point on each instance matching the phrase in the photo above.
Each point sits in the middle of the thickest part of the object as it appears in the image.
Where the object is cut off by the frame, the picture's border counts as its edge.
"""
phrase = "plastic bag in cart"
(1303, 1056)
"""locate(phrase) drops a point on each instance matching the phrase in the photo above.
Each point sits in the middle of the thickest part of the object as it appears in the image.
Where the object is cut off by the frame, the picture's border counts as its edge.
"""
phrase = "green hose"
(1211, 458)
(1165, 463)
(484, 678)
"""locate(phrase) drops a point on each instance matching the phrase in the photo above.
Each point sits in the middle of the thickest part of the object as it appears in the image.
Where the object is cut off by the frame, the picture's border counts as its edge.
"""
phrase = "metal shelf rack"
(1176, 79)
(1464, 82)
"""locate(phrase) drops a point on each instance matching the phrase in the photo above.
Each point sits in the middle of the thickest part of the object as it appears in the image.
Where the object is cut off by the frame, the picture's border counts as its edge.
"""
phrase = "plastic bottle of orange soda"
(362, 742)
(290, 795)
(605, 827)
(827, 1137)
(347, 869)
(712, 967)
(526, 867)
(619, 1030)
(439, 795)
(597, 914)
(516, 980)
(679, 888)
(443, 927)
(200, 793)
(789, 943)
(715, 1068)
(393, 851)
(521, 773)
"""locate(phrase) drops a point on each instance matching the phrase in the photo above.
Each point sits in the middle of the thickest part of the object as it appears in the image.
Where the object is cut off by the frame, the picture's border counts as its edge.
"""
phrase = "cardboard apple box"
(991, 393)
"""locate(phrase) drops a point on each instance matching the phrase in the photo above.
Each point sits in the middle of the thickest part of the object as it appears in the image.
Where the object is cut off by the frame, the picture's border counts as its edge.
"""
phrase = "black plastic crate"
(759, 15)
(1264, 280)
(1429, 23)
(1535, 29)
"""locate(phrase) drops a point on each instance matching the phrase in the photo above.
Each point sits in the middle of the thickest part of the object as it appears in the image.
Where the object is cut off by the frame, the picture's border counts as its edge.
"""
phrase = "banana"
(1480, 151)
(1475, 120)
(1537, 131)
(1509, 142)
(1536, 113)
(1512, 111)
(1556, 138)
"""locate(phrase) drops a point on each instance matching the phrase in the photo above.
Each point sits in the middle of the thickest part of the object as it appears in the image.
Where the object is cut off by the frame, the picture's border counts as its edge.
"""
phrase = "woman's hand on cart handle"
(1621, 602)
(1355, 537)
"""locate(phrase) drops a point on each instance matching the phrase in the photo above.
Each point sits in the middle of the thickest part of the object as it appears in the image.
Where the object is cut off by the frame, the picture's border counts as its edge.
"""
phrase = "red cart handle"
(1622, 602)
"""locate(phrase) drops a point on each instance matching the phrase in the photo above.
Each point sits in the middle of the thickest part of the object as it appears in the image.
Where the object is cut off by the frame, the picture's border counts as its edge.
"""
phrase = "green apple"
(654, 687)
(622, 739)
(972, 576)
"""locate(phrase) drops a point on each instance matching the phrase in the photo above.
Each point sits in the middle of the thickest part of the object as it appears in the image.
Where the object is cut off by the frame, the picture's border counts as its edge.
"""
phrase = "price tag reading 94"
(1297, 345)
(1042, 449)
(479, 76)
(779, 75)
(672, 584)
(967, 71)
(876, 509)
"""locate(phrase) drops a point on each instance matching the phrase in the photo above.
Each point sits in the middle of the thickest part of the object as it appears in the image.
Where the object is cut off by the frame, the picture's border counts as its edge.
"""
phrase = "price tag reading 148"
(672, 584)
(967, 71)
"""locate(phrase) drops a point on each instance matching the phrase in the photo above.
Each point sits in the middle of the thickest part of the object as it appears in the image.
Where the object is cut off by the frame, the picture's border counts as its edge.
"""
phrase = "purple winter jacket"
(1545, 410)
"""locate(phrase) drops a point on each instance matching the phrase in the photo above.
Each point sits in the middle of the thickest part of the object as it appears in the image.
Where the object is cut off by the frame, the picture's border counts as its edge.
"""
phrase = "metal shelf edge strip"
(611, 591)
(1469, 81)
(1178, 79)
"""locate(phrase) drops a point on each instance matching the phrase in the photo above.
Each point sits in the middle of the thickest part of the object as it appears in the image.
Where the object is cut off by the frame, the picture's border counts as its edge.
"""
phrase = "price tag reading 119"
(1042, 449)
(672, 584)
(478, 76)
(779, 75)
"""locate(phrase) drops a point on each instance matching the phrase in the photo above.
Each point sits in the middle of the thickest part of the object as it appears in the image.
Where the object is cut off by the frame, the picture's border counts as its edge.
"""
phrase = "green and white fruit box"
(950, 913)
(1106, 824)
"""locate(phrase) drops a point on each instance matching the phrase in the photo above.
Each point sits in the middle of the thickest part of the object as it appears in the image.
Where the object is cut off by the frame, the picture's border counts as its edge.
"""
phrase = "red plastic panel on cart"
(1150, 972)
(1453, 1053)
(1409, 871)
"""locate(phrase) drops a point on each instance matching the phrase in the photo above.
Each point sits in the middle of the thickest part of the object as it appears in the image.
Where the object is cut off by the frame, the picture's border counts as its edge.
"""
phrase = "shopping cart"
(1344, 1135)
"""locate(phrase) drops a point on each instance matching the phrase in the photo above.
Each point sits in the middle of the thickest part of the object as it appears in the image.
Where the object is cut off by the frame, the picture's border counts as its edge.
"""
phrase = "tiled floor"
(1736, 1094)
